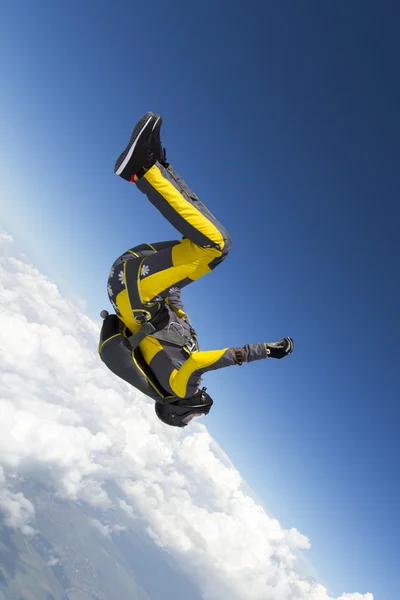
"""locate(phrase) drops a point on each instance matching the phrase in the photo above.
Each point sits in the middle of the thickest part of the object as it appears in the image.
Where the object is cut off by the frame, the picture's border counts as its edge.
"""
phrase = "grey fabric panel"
(115, 283)
(218, 260)
(178, 284)
(171, 215)
(170, 337)
(193, 383)
(165, 362)
(156, 262)
(111, 326)
(141, 248)
(174, 296)
(180, 184)
(175, 325)
(255, 352)
(252, 352)
(164, 261)
(116, 280)
(117, 355)
(131, 273)
(185, 228)
(162, 245)
(226, 360)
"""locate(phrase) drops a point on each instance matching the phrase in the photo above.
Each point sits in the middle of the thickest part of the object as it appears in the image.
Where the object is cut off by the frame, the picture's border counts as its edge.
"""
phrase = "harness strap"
(132, 267)
(147, 329)
(172, 338)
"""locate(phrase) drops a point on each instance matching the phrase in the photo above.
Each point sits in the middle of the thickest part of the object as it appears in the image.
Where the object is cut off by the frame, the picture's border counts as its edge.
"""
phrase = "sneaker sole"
(127, 154)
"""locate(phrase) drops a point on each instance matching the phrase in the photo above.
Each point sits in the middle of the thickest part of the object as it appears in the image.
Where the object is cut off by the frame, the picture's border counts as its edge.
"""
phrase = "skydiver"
(150, 342)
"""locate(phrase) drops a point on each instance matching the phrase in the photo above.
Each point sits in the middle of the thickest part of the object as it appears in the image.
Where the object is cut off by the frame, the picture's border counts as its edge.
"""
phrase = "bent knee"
(227, 245)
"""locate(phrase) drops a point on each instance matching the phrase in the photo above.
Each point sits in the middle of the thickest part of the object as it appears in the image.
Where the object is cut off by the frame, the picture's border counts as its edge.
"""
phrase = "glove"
(279, 349)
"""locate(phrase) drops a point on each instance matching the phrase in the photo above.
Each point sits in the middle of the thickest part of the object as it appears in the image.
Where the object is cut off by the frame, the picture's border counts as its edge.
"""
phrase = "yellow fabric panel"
(182, 206)
(150, 347)
(198, 360)
(189, 252)
(150, 382)
(178, 311)
(124, 307)
(201, 269)
(196, 258)
(189, 260)
(162, 280)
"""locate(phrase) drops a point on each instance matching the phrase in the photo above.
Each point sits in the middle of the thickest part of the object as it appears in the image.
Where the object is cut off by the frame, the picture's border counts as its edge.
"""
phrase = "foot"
(280, 349)
(156, 146)
(144, 148)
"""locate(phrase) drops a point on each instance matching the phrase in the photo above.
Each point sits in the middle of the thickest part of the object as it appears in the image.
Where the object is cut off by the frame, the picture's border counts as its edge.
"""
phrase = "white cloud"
(63, 415)
(105, 529)
(16, 509)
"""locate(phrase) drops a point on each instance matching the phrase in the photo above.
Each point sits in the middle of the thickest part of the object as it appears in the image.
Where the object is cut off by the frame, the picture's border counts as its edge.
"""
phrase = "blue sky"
(284, 119)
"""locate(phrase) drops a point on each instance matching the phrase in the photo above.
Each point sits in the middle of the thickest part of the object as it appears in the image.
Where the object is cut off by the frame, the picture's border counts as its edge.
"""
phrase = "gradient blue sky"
(284, 117)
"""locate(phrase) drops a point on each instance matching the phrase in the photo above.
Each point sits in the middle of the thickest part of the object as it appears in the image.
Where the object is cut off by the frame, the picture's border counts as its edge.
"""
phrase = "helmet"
(180, 412)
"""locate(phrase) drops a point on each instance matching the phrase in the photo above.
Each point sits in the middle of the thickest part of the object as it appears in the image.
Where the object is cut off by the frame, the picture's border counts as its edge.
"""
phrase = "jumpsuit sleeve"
(185, 381)
(174, 298)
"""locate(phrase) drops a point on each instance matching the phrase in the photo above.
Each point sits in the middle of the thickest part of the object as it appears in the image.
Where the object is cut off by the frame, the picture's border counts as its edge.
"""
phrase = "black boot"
(144, 148)
(280, 349)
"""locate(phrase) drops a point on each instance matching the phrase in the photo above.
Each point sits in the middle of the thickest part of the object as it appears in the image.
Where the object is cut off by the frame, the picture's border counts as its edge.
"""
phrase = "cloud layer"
(65, 418)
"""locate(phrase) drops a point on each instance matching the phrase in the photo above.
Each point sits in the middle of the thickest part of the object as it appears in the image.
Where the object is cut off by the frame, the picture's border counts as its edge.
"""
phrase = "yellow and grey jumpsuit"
(161, 275)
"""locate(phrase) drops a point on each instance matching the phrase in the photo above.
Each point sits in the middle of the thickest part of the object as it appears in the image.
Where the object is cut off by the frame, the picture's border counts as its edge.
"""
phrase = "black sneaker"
(144, 147)
(156, 146)
(280, 349)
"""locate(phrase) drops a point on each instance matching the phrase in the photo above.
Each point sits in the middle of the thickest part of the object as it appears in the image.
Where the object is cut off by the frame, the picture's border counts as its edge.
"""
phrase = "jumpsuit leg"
(205, 245)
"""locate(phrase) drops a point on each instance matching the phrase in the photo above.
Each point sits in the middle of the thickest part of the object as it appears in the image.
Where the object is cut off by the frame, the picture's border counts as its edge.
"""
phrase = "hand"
(279, 349)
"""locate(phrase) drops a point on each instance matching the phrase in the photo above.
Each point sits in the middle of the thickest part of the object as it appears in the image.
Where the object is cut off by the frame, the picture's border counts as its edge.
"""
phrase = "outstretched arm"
(185, 381)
